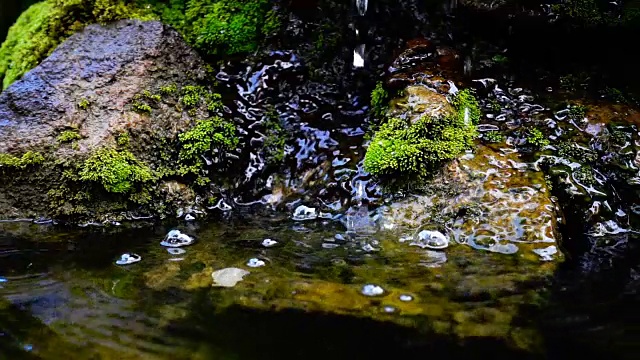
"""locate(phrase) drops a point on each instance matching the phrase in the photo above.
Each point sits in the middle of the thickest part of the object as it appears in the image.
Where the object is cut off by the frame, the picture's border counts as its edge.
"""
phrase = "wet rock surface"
(106, 66)
(107, 87)
(488, 200)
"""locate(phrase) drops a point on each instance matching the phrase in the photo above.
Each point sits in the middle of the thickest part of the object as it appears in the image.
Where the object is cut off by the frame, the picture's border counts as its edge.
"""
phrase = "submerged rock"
(94, 128)
(490, 201)
(228, 277)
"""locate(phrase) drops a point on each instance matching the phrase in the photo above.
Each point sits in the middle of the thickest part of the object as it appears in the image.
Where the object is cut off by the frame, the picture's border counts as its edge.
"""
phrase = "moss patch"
(401, 147)
(379, 100)
(209, 138)
(214, 27)
(116, 170)
(45, 25)
(536, 138)
(68, 136)
(28, 158)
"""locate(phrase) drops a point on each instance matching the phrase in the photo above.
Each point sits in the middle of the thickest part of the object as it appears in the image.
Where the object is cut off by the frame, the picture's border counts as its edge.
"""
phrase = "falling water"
(362, 5)
(358, 52)
(358, 56)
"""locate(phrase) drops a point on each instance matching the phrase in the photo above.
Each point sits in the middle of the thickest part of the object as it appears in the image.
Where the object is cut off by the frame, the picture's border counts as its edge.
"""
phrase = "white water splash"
(358, 56)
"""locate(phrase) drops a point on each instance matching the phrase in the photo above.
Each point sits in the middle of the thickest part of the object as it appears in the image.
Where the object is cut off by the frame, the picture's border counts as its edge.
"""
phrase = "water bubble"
(405, 297)
(304, 213)
(269, 243)
(189, 217)
(128, 258)
(176, 251)
(177, 239)
(254, 263)
(389, 309)
(431, 239)
(369, 248)
(372, 290)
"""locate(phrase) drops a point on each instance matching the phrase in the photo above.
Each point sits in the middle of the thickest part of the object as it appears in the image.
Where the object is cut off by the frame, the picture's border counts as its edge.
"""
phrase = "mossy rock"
(60, 159)
(425, 129)
(214, 27)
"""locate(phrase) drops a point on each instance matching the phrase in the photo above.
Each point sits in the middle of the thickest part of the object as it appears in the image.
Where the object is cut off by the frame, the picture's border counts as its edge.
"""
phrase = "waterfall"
(361, 5)
(358, 56)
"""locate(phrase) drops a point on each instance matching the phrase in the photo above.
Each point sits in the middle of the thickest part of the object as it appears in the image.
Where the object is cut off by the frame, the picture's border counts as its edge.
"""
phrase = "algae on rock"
(432, 132)
(218, 27)
(118, 157)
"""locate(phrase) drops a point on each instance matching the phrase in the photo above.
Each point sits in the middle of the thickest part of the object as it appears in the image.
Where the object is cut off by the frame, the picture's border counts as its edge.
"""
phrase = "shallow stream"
(350, 278)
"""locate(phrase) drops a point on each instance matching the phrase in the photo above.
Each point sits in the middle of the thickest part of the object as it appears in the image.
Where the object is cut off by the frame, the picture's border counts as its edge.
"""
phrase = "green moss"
(84, 104)
(169, 89)
(123, 139)
(146, 94)
(500, 59)
(584, 174)
(400, 147)
(379, 100)
(536, 138)
(575, 152)
(577, 112)
(467, 105)
(492, 137)
(272, 23)
(27, 159)
(141, 108)
(117, 171)
(616, 95)
(586, 11)
(191, 95)
(205, 138)
(68, 136)
(44, 25)
(226, 26)
(494, 106)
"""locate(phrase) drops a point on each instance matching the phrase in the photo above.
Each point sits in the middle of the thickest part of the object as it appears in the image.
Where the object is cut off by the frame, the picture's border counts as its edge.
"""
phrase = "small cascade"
(362, 5)
(358, 52)
(358, 56)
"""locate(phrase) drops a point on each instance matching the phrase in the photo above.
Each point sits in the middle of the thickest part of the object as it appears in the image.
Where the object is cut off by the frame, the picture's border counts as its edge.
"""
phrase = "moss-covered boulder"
(98, 126)
(213, 27)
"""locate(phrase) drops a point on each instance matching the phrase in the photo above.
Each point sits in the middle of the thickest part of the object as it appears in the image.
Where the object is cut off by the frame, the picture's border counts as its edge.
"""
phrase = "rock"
(112, 87)
(228, 277)
(490, 201)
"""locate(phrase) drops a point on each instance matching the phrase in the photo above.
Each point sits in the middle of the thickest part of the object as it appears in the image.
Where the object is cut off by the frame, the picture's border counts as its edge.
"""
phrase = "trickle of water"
(358, 56)
(362, 5)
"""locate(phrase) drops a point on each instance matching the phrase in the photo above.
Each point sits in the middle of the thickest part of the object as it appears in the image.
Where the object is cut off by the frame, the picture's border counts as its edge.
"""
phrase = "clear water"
(62, 296)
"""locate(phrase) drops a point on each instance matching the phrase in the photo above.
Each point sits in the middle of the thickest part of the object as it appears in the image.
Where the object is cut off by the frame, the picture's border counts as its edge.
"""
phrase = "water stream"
(346, 273)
